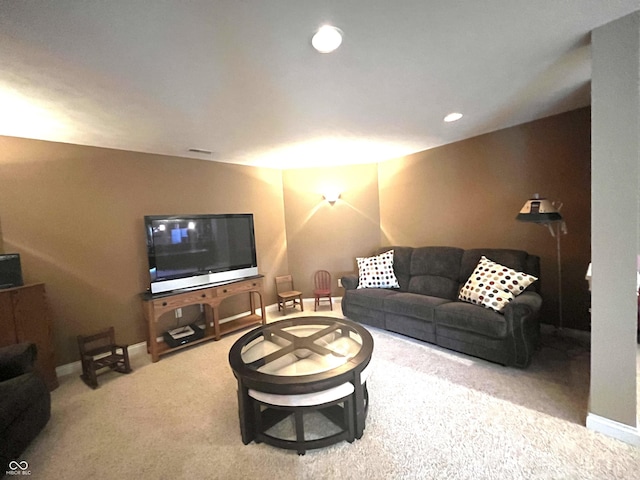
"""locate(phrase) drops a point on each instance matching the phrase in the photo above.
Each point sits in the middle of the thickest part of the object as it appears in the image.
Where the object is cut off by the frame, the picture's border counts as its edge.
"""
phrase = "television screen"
(193, 250)
(10, 271)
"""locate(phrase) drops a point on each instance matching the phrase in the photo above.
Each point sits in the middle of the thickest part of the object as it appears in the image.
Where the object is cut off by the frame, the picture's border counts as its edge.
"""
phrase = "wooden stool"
(278, 407)
(99, 351)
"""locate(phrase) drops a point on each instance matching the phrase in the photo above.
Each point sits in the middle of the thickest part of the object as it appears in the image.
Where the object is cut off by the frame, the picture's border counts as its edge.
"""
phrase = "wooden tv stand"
(211, 297)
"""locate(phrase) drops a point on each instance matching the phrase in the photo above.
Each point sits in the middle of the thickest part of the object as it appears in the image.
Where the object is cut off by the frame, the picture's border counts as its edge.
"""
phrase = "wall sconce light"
(331, 197)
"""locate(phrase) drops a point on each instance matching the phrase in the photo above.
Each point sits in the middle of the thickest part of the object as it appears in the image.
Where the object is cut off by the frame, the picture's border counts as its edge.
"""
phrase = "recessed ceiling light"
(327, 39)
(452, 117)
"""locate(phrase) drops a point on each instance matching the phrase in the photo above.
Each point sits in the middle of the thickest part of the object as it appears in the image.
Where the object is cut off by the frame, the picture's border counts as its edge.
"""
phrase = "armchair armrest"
(16, 360)
(350, 282)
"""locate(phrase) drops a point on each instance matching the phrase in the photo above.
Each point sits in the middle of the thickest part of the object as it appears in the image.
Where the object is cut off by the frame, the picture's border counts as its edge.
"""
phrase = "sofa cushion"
(377, 271)
(412, 327)
(440, 261)
(435, 286)
(471, 318)
(413, 305)
(16, 359)
(362, 314)
(17, 395)
(372, 298)
(25, 408)
(435, 270)
(493, 285)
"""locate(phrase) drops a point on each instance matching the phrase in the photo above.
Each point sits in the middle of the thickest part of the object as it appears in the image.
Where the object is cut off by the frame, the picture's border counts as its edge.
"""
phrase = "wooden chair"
(287, 293)
(322, 280)
(99, 351)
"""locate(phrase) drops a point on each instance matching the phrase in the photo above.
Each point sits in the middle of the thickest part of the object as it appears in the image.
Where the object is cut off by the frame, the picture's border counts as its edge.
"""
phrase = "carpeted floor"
(434, 414)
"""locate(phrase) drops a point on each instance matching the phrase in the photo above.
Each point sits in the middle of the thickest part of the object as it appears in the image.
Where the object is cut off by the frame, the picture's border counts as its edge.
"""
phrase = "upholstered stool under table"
(277, 407)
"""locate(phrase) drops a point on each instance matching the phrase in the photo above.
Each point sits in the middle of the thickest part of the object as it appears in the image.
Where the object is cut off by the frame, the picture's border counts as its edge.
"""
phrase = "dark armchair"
(25, 401)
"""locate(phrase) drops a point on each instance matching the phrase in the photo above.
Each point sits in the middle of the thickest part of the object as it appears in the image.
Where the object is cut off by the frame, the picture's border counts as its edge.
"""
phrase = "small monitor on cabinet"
(189, 251)
(10, 270)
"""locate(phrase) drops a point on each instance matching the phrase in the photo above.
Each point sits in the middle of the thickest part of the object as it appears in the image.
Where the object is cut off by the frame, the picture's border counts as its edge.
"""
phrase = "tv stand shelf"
(211, 297)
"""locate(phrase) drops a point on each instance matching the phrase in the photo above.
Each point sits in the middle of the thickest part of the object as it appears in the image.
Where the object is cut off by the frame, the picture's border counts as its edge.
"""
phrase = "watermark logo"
(18, 468)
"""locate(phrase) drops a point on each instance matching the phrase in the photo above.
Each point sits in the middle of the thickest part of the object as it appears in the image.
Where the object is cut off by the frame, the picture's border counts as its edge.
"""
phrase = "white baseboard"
(141, 348)
(68, 369)
(76, 367)
(611, 428)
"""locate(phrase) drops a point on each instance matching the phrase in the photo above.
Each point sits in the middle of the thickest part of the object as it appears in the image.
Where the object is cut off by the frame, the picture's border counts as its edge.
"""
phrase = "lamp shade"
(539, 210)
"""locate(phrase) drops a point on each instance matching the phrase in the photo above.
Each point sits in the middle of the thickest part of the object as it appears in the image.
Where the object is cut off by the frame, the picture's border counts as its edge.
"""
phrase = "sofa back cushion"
(435, 270)
(441, 271)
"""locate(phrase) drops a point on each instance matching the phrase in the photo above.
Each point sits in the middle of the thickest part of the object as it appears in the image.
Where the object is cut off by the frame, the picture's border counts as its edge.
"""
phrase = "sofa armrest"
(522, 315)
(529, 300)
(16, 360)
(350, 282)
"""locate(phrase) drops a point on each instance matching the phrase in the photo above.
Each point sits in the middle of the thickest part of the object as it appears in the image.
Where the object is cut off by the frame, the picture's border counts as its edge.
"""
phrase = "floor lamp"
(542, 211)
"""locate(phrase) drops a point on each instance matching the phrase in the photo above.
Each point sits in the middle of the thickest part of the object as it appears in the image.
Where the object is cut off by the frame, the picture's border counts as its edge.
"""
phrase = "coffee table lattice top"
(301, 349)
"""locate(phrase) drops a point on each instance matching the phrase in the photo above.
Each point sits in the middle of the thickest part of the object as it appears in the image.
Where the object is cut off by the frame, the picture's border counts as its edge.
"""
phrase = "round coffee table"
(297, 356)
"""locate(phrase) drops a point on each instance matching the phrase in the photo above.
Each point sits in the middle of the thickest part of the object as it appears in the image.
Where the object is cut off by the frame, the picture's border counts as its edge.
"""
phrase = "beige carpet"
(434, 414)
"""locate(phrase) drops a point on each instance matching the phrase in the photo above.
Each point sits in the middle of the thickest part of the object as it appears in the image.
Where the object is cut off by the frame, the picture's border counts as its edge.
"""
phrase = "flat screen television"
(10, 271)
(190, 251)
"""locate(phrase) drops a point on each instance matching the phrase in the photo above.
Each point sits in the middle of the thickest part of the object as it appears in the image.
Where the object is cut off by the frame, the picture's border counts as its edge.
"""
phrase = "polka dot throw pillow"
(377, 272)
(493, 285)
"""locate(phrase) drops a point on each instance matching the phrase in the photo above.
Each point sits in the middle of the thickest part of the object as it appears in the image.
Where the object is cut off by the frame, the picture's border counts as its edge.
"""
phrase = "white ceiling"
(240, 78)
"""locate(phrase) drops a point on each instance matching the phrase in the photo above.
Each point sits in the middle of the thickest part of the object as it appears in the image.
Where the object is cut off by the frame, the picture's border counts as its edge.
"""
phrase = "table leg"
(252, 303)
(359, 406)
(245, 414)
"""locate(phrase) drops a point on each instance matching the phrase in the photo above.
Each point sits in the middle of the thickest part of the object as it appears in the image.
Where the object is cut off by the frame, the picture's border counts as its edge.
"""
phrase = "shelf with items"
(210, 297)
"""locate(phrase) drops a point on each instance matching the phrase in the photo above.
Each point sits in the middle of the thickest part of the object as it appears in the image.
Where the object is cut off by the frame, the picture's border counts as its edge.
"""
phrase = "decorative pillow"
(493, 285)
(377, 272)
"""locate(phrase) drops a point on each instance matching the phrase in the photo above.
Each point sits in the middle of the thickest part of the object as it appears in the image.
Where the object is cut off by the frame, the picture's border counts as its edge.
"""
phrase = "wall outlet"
(178, 313)
(339, 283)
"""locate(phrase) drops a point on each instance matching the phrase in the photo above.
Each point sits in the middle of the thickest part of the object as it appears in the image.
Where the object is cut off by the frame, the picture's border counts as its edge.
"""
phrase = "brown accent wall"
(75, 214)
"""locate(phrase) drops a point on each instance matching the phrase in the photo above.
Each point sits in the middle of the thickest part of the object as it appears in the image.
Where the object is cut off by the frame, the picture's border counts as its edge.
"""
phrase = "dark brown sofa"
(25, 402)
(426, 304)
